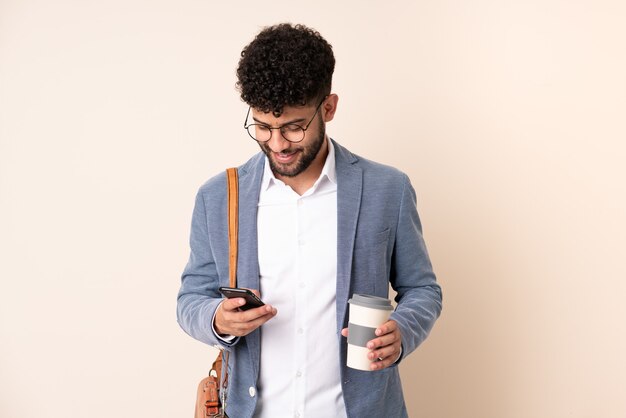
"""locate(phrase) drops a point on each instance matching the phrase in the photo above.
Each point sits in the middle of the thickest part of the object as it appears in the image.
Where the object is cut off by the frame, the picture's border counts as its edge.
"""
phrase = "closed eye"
(291, 127)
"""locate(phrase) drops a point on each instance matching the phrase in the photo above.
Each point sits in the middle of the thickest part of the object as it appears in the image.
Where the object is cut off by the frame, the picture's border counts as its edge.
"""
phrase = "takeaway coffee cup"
(366, 314)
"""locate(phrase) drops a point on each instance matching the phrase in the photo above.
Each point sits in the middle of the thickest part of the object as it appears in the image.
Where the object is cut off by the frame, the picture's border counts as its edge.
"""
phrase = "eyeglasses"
(292, 132)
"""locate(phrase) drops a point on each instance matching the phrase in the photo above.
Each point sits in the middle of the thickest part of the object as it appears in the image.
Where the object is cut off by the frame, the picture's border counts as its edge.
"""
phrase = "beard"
(308, 154)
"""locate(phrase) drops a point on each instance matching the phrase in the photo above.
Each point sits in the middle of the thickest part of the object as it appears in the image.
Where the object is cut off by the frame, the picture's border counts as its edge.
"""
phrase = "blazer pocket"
(372, 264)
(372, 240)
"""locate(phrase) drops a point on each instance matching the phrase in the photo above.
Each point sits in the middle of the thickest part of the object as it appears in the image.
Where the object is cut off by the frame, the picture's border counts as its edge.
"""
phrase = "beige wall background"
(509, 117)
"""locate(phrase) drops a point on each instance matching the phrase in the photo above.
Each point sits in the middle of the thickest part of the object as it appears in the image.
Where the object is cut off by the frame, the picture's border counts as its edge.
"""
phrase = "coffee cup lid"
(374, 302)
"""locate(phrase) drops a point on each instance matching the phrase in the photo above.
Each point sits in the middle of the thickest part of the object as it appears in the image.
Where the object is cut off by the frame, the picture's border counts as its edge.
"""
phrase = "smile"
(285, 158)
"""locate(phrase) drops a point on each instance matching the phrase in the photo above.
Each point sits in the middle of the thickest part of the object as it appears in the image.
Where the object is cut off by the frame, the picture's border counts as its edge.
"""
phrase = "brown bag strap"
(233, 223)
(233, 235)
(211, 397)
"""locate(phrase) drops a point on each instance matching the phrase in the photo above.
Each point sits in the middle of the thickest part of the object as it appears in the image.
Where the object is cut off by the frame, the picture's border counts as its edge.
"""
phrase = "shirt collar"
(328, 171)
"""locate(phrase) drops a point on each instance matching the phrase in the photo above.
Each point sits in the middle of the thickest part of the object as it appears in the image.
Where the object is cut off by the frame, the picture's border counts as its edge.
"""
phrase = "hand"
(386, 347)
(229, 320)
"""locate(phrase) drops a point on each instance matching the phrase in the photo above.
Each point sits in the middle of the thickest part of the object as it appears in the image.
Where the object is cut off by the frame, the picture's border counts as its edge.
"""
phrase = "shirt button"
(301, 242)
(300, 331)
(298, 374)
(252, 391)
(302, 285)
(297, 414)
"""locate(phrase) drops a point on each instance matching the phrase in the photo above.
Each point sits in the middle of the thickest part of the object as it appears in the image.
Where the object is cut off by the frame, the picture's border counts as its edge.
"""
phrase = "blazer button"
(252, 391)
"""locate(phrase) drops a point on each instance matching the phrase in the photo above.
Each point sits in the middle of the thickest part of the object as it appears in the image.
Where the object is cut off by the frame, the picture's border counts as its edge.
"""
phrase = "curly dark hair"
(285, 65)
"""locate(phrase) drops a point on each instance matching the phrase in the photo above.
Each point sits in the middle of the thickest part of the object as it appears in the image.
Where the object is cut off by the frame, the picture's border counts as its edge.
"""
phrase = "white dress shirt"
(297, 242)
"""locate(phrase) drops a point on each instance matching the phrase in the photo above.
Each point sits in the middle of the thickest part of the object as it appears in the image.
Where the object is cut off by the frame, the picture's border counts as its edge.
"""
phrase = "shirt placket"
(301, 314)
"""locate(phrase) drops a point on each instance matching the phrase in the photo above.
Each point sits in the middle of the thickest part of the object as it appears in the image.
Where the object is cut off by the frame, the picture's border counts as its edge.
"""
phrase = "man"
(317, 224)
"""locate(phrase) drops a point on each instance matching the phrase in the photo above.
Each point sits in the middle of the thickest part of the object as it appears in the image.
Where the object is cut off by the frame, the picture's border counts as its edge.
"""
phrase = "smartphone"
(252, 300)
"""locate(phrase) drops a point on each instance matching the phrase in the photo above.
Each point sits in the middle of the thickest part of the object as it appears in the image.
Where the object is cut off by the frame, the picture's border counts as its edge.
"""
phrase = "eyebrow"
(295, 121)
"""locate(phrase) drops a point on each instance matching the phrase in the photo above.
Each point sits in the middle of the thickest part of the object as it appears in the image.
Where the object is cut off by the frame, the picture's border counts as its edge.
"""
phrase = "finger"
(244, 328)
(384, 358)
(236, 317)
(382, 364)
(383, 341)
(390, 352)
(388, 333)
(387, 327)
(254, 313)
(344, 332)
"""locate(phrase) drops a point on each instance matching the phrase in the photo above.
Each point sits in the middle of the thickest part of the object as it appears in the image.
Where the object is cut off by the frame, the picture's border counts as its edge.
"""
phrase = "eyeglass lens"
(263, 133)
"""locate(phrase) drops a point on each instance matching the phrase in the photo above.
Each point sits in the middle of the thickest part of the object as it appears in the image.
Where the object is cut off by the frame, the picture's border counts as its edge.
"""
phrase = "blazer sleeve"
(198, 297)
(419, 297)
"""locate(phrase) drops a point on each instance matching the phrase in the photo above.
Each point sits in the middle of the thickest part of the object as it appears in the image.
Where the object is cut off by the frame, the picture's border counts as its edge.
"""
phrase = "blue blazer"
(379, 241)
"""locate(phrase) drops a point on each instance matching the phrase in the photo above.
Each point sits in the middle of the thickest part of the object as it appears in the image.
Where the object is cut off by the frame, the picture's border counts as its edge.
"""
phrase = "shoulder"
(216, 185)
(374, 173)
(383, 171)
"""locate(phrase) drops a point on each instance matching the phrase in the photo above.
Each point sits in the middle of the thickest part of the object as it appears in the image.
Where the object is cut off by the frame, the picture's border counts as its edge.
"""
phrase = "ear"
(329, 107)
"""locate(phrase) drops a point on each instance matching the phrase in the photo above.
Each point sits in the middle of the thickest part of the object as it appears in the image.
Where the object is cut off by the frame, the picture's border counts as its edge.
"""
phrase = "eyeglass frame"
(280, 128)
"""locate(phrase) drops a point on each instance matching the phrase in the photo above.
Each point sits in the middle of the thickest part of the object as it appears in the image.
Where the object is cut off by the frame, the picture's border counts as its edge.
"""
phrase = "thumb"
(232, 304)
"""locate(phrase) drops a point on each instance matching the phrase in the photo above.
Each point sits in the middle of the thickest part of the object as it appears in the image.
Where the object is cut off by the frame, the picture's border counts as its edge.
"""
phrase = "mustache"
(289, 150)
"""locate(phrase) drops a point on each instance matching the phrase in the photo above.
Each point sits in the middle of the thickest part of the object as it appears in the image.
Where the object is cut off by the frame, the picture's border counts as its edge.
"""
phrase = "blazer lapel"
(250, 176)
(349, 192)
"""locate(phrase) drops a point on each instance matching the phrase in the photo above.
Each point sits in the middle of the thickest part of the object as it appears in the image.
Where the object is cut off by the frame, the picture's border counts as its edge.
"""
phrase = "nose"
(277, 143)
